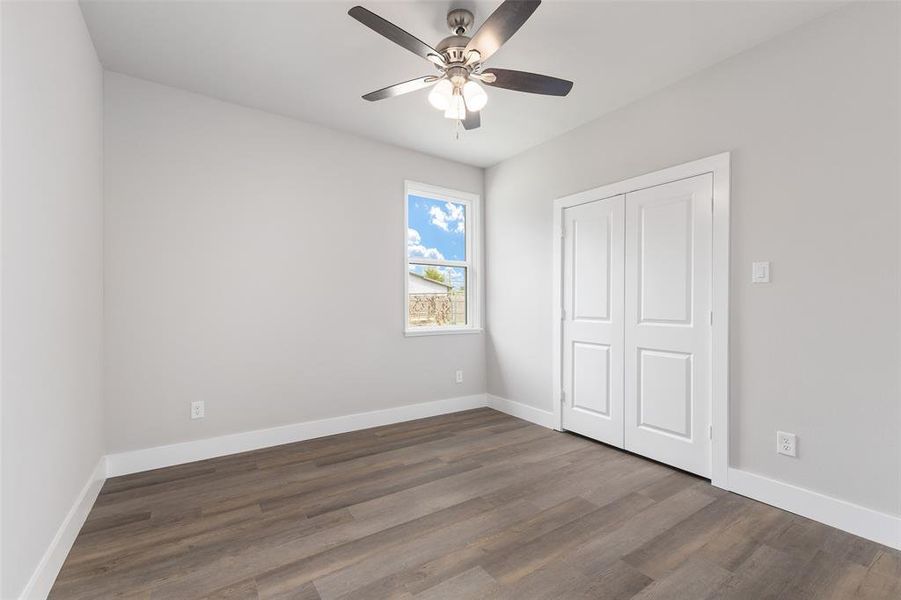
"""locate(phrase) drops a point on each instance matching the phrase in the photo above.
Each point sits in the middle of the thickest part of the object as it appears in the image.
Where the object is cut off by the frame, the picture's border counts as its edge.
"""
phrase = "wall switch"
(459, 376)
(786, 443)
(760, 272)
(197, 410)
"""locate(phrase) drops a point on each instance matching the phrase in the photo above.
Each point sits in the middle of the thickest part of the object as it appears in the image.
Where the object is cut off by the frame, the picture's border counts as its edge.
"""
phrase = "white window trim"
(472, 262)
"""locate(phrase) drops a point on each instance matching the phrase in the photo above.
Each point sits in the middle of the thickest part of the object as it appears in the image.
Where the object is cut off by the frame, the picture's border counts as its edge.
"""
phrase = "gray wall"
(812, 120)
(255, 262)
(51, 276)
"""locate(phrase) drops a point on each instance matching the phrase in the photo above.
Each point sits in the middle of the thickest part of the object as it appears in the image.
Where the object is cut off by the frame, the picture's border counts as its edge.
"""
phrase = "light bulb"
(476, 98)
(441, 94)
(456, 109)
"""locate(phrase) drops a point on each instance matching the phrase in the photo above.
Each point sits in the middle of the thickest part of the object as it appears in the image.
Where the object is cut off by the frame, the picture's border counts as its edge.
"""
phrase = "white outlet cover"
(786, 443)
(459, 376)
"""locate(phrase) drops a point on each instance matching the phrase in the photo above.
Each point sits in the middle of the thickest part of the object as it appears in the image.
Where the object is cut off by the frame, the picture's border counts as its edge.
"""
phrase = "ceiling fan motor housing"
(454, 48)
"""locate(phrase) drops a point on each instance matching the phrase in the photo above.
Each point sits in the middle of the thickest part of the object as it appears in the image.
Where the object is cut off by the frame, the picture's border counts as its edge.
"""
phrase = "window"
(440, 260)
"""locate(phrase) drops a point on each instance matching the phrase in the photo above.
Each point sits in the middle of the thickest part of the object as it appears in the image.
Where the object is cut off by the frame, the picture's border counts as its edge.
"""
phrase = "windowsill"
(442, 331)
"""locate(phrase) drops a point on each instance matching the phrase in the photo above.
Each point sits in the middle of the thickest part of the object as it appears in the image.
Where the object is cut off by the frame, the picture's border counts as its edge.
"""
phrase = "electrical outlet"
(786, 443)
(459, 376)
(197, 409)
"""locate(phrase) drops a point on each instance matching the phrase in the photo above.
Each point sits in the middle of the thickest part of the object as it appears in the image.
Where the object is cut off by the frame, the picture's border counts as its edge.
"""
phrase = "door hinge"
(711, 204)
(711, 317)
(710, 432)
(562, 397)
(563, 232)
(562, 314)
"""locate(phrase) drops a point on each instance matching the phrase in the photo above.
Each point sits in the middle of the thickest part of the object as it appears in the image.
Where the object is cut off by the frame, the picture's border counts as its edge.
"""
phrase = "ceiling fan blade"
(520, 81)
(472, 120)
(396, 34)
(406, 87)
(500, 27)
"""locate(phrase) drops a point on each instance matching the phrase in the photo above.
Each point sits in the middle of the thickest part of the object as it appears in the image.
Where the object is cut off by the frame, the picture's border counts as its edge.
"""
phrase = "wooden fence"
(437, 309)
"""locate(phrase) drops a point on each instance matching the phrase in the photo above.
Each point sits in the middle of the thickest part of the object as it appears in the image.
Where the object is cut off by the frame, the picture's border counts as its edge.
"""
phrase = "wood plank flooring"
(475, 504)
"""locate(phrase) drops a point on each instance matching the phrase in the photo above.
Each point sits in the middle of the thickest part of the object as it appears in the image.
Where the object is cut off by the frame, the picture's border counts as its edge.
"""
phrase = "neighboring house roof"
(430, 280)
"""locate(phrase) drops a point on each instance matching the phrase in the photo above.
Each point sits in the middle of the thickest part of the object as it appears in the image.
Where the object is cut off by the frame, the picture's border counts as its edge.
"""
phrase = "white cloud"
(439, 217)
(415, 248)
(454, 211)
(423, 252)
(443, 219)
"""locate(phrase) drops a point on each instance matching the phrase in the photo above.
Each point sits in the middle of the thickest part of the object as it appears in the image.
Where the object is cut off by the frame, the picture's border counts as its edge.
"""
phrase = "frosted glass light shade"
(456, 109)
(476, 98)
(441, 94)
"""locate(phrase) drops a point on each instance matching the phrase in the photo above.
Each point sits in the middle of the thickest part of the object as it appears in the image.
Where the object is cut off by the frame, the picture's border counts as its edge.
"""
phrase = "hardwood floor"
(475, 504)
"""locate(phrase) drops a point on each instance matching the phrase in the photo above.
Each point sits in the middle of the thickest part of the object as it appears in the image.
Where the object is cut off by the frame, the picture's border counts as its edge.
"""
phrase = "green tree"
(433, 274)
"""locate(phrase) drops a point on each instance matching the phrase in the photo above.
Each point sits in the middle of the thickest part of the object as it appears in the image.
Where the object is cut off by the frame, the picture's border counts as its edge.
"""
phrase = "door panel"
(593, 264)
(664, 392)
(591, 255)
(591, 378)
(664, 261)
(667, 335)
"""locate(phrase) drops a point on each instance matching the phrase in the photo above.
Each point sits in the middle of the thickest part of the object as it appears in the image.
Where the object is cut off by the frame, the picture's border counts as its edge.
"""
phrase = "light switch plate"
(197, 409)
(760, 272)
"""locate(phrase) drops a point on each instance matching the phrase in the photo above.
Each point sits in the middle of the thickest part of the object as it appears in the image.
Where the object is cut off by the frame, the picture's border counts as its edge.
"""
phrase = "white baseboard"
(879, 527)
(146, 459)
(38, 586)
(867, 523)
(544, 418)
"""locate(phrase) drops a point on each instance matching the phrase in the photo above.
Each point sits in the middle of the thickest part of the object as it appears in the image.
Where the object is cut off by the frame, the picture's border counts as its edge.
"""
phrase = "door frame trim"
(718, 165)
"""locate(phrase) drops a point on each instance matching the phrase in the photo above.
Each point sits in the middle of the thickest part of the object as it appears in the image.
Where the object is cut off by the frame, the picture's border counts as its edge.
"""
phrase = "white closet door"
(667, 323)
(593, 320)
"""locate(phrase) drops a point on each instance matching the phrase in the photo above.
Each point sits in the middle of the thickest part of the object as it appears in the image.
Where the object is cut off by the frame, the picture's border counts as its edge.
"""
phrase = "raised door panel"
(591, 378)
(664, 261)
(591, 255)
(665, 392)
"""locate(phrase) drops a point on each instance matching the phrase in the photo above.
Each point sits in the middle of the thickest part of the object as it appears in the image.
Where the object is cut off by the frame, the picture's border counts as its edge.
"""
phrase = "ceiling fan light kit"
(456, 109)
(441, 93)
(475, 96)
(460, 59)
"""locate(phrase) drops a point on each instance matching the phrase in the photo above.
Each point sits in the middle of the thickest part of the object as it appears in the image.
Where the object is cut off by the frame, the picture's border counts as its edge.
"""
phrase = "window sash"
(470, 201)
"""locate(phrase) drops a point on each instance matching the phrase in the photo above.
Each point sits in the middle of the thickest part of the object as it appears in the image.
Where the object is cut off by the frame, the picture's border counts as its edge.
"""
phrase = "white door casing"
(592, 316)
(667, 323)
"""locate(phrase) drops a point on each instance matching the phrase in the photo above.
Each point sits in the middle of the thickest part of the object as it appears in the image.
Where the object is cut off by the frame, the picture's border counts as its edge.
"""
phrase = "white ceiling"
(311, 61)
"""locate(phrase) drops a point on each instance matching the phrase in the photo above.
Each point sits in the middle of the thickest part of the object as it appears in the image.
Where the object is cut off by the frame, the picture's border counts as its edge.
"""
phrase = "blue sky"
(437, 229)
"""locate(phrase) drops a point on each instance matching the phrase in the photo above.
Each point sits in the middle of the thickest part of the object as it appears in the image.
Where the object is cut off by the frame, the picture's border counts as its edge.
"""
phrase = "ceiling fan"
(460, 58)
